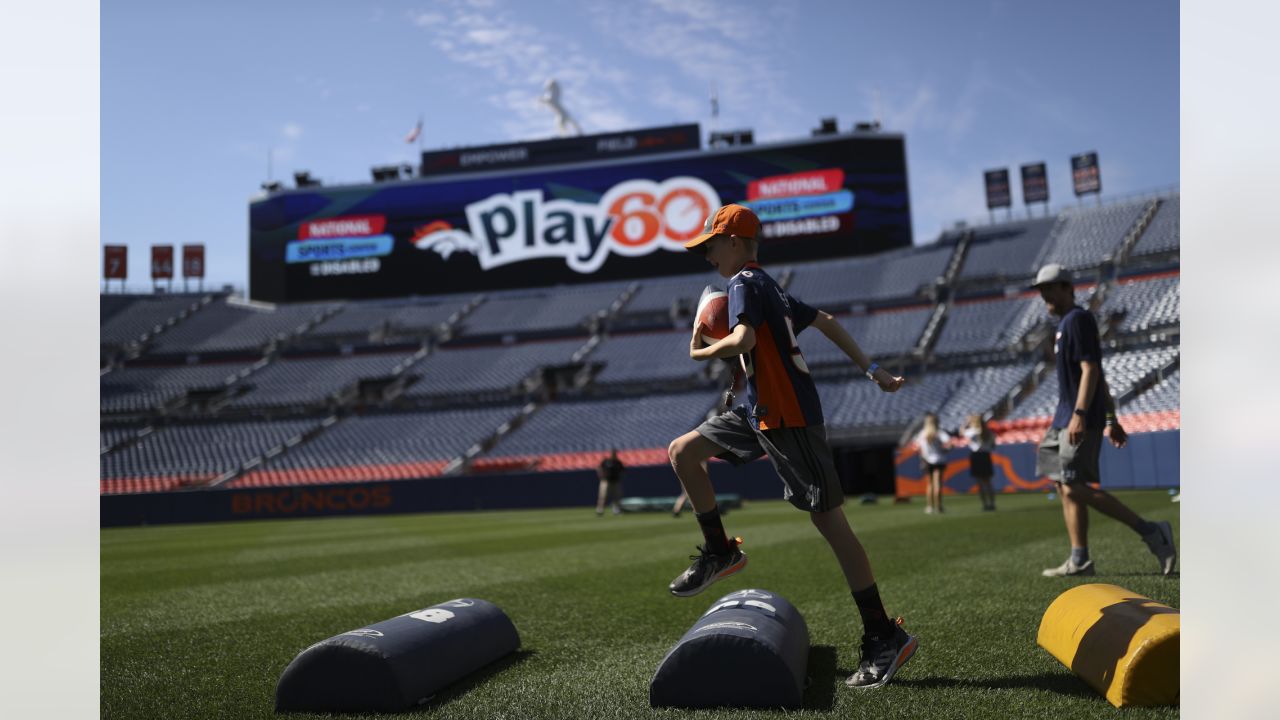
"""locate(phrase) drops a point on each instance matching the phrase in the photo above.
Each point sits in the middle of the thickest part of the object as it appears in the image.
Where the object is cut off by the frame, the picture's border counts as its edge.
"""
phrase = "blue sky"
(196, 95)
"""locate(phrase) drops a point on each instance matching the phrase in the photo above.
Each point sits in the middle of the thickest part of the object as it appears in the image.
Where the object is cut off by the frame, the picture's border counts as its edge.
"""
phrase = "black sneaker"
(881, 658)
(708, 568)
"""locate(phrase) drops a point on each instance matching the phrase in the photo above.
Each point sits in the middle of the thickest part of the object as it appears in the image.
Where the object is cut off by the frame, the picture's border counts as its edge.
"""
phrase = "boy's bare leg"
(689, 454)
(853, 560)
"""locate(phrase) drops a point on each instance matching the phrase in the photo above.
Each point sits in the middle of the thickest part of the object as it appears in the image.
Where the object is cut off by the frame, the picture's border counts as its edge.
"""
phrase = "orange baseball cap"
(728, 220)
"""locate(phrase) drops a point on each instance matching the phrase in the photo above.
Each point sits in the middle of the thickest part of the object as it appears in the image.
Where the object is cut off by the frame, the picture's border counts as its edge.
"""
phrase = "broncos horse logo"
(441, 237)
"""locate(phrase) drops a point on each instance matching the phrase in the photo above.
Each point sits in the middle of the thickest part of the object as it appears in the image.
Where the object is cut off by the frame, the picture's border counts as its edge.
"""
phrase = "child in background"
(981, 442)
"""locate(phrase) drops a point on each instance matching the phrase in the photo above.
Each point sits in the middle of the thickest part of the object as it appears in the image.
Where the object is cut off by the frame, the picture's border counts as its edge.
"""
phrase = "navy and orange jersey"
(780, 392)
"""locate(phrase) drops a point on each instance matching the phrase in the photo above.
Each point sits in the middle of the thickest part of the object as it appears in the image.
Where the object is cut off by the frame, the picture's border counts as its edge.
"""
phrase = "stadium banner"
(193, 261)
(752, 481)
(1150, 461)
(161, 262)
(1035, 183)
(592, 221)
(115, 262)
(997, 182)
(1085, 174)
(561, 150)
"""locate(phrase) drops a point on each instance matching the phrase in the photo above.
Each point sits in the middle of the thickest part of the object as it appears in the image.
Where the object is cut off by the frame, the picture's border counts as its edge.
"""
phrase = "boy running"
(782, 416)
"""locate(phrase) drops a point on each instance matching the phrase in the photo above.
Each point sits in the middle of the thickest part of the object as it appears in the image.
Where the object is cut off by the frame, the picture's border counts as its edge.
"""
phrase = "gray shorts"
(800, 455)
(1066, 463)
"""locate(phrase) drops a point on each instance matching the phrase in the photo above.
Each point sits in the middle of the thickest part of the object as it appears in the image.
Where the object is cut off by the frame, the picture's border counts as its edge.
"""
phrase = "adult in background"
(981, 442)
(932, 442)
(610, 474)
(1068, 454)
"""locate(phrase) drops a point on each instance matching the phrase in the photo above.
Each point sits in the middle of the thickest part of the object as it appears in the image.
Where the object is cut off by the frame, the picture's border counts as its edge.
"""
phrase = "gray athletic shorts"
(800, 455)
(1067, 463)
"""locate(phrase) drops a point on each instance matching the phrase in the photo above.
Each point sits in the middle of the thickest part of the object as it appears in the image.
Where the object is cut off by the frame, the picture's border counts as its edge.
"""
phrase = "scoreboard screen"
(577, 222)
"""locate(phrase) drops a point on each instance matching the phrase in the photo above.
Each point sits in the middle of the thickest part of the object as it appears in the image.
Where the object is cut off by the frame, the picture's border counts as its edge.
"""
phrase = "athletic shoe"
(1070, 569)
(1160, 543)
(881, 658)
(928, 510)
(707, 568)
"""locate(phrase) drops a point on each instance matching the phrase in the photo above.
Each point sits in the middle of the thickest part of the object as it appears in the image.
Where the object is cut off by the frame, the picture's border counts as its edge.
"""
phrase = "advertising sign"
(1085, 174)
(997, 182)
(115, 262)
(193, 261)
(1035, 184)
(161, 262)
(561, 150)
(584, 222)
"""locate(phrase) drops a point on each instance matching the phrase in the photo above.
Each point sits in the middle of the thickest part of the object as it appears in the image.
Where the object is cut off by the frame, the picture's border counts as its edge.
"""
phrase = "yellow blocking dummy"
(1123, 645)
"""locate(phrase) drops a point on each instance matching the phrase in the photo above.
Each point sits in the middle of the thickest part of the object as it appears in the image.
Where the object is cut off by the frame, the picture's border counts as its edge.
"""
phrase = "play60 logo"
(634, 217)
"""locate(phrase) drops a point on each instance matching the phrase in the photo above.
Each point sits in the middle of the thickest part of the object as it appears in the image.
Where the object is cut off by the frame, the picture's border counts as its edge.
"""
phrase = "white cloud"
(291, 130)
(489, 36)
(517, 58)
(426, 19)
(705, 45)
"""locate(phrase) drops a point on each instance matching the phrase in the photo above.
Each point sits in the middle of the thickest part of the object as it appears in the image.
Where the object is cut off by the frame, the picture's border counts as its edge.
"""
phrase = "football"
(712, 317)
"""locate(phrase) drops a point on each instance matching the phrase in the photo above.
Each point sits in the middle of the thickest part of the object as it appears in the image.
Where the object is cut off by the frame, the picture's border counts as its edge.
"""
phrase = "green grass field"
(200, 620)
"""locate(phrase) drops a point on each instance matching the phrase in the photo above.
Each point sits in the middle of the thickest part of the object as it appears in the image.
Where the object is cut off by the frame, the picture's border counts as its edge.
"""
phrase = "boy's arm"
(740, 340)
(836, 333)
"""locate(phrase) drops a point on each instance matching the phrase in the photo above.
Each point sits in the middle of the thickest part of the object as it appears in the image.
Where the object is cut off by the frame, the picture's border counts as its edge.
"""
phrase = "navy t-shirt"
(780, 392)
(1076, 342)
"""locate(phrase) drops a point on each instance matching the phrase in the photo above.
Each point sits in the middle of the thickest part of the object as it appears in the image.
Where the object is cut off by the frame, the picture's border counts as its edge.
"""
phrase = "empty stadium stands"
(139, 389)
(657, 295)
(1143, 304)
(563, 308)
(487, 369)
(1161, 397)
(985, 325)
(1088, 236)
(646, 357)
(883, 334)
(979, 390)
(313, 380)
(1005, 251)
(857, 404)
(1122, 370)
(127, 319)
(1161, 236)
(256, 364)
(396, 438)
(832, 285)
(198, 453)
(224, 326)
(594, 425)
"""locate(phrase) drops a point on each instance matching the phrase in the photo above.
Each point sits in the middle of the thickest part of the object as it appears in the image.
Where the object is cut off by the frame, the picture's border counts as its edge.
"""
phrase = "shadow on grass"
(820, 693)
(1061, 683)
(1171, 576)
(474, 680)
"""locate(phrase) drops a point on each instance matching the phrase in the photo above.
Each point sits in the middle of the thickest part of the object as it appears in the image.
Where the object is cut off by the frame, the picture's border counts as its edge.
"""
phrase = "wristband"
(871, 371)
(1111, 419)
